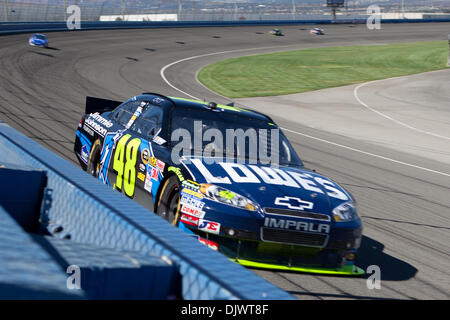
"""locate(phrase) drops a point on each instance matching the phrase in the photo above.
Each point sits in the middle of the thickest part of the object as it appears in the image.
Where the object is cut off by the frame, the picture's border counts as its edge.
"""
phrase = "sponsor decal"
(153, 161)
(84, 155)
(154, 174)
(350, 256)
(209, 226)
(296, 225)
(192, 211)
(136, 114)
(141, 176)
(105, 122)
(192, 202)
(142, 167)
(293, 203)
(158, 140)
(148, 182)
(145, 156)
(88, 130)
(96, 127)
(211, 244)
(193, 193)
(241, 173)
(160, 165)
(227, 194)
(191, 220)
(191, 184)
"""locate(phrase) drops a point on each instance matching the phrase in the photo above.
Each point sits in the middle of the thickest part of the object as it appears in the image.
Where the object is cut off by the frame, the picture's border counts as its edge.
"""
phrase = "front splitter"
(349, 270)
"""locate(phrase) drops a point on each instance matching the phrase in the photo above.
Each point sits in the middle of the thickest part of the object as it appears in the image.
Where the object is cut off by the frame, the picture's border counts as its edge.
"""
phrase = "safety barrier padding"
(27, 271)
(25, 27)
(87, 211)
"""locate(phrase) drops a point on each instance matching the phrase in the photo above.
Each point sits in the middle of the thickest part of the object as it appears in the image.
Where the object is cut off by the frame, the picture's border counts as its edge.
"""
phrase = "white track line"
(368, 153)
(355, 93)
(163, 70)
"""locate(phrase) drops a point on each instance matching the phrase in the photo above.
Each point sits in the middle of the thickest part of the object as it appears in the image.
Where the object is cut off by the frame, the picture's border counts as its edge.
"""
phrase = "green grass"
(313, 69)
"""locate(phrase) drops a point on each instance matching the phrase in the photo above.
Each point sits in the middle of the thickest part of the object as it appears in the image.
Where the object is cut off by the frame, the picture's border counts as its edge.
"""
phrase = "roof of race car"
(198, 104)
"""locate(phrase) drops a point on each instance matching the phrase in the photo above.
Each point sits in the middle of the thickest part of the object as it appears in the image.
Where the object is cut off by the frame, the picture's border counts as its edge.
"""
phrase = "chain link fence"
(203, 10)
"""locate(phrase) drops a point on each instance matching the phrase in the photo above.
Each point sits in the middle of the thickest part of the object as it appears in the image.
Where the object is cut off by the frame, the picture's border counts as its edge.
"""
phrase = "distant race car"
(276, 216)
(317, 31)
(276, 32)
(39, 40)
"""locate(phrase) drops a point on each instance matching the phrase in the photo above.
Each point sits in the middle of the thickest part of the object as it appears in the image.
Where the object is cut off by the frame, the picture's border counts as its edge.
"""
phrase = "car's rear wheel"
(93, 166)
(169, 201)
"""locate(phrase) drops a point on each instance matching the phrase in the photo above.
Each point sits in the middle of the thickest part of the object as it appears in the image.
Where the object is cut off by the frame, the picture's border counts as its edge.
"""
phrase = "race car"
(39, 40)
(276, 32)
(317, 31)
(169, 155)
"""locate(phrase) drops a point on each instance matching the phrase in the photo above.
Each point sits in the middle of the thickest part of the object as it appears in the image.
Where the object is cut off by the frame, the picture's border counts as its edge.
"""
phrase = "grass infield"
(312, 69)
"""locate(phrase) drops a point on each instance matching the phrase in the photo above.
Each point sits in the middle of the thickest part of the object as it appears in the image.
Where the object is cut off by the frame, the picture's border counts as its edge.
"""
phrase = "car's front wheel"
(169, 201)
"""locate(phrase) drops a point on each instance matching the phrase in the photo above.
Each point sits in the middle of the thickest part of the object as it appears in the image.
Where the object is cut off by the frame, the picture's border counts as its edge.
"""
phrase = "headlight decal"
(345, 212)
(227, 197)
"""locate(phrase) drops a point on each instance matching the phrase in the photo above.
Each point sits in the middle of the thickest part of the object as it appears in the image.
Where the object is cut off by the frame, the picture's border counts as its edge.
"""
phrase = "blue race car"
(39, 40)
(274, 215)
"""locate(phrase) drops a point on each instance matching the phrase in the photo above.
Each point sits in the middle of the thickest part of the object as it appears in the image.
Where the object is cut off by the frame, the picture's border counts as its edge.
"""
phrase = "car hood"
(282, 187)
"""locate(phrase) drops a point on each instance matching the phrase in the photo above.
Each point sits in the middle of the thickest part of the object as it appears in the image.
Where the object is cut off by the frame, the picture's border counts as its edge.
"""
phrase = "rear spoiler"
(100, 105)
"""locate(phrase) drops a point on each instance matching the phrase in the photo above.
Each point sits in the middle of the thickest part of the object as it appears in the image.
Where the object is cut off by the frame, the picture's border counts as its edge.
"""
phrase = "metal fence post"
(180, 10)
(46, 11)
(448, 59)
(293, 9)
(6, 10)
(65, 8)
(403, 9)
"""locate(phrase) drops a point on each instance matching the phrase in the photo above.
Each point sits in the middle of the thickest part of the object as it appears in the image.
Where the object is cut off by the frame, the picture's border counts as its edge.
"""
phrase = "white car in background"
(317, 31)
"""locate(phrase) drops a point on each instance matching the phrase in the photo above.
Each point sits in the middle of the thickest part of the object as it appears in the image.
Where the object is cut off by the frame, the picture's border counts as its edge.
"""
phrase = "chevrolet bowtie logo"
(294, 203)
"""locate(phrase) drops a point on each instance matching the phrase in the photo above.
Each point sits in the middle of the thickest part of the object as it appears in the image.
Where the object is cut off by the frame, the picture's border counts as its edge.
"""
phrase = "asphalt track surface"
(405, 209)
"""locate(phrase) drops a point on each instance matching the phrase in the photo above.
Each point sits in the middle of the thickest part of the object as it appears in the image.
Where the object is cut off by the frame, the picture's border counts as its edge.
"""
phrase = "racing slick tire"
(93, 166)
(169, 201)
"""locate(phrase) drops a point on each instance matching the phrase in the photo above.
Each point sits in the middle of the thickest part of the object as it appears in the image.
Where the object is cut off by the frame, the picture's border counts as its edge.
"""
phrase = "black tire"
(93, 166)
(169, 201)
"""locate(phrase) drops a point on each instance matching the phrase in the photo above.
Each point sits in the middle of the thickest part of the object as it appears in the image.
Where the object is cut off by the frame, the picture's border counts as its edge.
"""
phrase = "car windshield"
(39, 36)
(230, 135)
